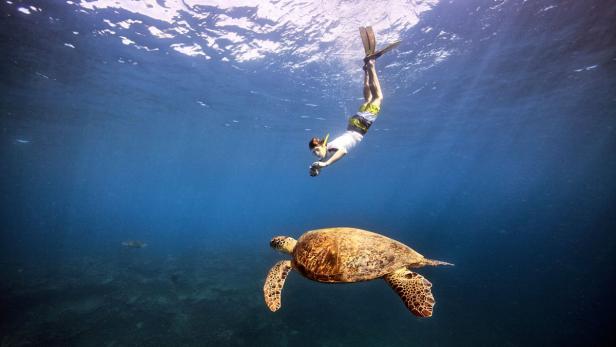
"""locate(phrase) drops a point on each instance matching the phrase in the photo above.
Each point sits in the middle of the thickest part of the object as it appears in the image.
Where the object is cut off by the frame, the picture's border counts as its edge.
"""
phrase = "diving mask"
(316, 150)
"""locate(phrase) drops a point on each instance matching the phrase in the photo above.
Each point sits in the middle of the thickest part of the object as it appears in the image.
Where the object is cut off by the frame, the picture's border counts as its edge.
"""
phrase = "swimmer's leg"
(373, 82)
(367, 92)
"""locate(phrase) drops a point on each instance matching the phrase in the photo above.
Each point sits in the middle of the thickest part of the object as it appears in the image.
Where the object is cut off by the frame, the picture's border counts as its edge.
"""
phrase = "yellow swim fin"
(365, 40)
(384, 50)
(371, 40)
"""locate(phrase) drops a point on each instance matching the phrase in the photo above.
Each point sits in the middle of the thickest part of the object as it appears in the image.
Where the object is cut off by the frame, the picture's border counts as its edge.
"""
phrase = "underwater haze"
(149, 151)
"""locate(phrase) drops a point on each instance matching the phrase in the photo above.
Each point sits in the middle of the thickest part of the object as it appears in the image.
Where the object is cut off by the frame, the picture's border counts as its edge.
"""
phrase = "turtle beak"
(276, 242)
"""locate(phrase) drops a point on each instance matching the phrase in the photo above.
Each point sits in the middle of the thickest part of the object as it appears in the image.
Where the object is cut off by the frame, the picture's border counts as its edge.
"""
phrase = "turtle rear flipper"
(414, 290)
(274, 282)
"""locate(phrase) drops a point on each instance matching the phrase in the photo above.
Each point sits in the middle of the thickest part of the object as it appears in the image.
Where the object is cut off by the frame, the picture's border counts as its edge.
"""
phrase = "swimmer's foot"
(368, 62)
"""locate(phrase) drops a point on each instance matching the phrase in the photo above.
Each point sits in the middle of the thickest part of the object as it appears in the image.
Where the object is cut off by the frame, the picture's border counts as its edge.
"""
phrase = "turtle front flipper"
(414, 290)
(274, 282)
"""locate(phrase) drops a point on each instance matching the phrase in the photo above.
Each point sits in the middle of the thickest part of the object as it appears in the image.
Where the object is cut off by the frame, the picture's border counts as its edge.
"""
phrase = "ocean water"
(184, 125)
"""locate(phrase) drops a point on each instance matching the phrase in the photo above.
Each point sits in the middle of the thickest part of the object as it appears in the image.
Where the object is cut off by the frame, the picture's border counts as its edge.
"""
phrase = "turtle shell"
(350, 255)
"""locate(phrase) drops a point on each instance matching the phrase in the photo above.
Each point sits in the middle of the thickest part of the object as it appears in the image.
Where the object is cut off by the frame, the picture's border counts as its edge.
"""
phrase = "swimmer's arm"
(334, 158)
(337, 156)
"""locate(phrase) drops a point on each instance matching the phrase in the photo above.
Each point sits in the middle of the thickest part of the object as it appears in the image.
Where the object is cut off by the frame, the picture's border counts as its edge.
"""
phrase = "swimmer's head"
(318, 146)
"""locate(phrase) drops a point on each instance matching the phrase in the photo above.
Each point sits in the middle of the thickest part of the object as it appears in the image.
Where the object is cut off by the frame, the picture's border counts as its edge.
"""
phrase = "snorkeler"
(359, 123)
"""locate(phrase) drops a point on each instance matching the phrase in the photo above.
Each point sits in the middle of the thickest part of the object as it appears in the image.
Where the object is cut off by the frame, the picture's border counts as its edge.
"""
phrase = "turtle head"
(283, 244)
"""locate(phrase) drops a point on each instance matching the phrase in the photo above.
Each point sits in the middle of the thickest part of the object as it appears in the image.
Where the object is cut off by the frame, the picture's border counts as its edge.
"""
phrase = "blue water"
(494, 150)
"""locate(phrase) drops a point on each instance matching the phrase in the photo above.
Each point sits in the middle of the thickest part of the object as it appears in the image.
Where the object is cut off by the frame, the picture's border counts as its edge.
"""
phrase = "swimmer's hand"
(315, 168)
(319, 164)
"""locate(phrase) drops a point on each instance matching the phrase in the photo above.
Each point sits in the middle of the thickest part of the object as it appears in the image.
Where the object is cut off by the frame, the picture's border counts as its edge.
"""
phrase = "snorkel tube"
(325, 140)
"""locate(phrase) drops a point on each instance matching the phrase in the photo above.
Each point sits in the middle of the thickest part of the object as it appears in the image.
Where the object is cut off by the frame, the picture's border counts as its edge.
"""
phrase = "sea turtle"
(342, 255)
